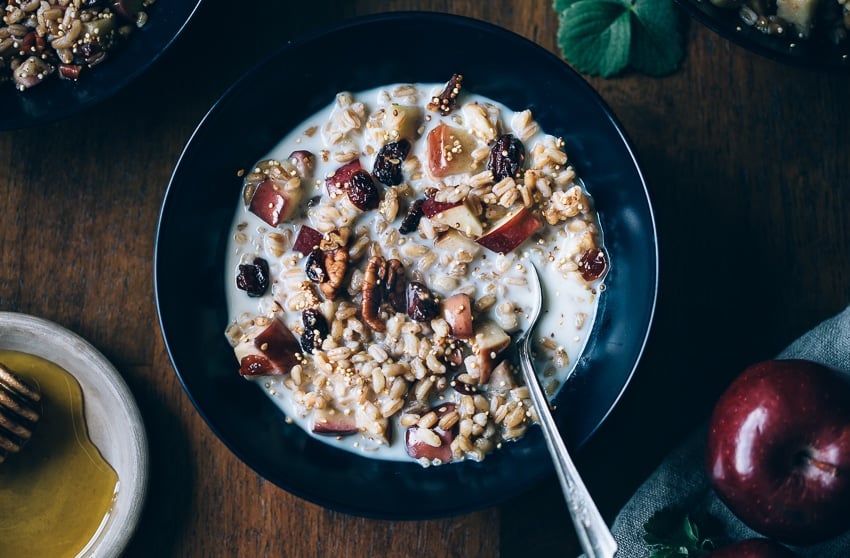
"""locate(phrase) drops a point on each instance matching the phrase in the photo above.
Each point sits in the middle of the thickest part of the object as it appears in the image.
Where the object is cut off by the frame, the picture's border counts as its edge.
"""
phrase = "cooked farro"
(407, 350)
(64, 38)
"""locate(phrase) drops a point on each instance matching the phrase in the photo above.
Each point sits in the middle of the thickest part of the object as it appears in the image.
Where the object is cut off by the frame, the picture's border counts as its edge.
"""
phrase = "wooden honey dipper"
(18, 412)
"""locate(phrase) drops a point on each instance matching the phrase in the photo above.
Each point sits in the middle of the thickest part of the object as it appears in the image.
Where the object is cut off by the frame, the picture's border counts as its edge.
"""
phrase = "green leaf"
(595, 36)
(691, 530)
(671, 532)
(657, 46)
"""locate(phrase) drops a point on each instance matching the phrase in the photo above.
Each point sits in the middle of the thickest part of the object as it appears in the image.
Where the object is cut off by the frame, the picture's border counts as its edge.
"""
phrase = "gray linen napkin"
(681, 481)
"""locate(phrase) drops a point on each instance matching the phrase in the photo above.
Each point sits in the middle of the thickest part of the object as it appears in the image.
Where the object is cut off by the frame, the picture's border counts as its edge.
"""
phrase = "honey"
(56, 494)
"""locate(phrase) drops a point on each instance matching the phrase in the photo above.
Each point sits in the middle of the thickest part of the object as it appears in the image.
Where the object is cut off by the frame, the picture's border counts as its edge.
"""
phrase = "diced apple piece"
(453, 242)
(128, 9)
(449, 151)
(272, 352)
(431, 207)
(461, 218)
(257, 365)
(799, 13)
(304, 162)
(457, 311)
(502, 377)
(333, 422)
(336, 183)
(510, 231)
(403, 122)
(272, 203)
(372, 425)
(417, 448)
(308, 239)
(489, 340)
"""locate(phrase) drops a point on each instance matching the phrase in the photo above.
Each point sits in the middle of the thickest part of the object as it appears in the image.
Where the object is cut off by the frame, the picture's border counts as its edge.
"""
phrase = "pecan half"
(370, 303)
(336, 264)
(445, 102)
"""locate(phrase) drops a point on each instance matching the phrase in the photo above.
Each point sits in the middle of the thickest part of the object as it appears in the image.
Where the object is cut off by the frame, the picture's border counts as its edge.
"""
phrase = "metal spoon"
(593, 533)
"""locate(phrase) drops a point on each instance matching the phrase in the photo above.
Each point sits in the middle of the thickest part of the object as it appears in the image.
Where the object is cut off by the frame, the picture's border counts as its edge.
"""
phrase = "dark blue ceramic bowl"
(56, 98)
(255, 114)
(817, 52)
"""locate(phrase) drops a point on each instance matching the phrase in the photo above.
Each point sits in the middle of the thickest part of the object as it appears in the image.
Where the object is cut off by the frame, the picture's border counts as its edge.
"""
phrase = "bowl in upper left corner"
(55, 98)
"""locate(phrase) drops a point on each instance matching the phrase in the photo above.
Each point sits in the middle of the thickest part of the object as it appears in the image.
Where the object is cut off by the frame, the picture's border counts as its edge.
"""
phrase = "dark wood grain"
(748, 164)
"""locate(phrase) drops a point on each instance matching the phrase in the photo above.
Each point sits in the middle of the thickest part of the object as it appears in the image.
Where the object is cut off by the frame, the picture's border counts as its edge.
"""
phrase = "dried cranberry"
(593, 264)
(421, 304)
(362, 191)
(506, 157)
(411, 221)
(315, 329)
(253, 278)
(387, 169)
(315, 266)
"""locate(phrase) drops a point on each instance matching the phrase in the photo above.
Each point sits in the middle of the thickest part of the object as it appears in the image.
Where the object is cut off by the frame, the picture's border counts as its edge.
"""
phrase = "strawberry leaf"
(603, 37)
(673, 533)
(657, 47)
(595, 36)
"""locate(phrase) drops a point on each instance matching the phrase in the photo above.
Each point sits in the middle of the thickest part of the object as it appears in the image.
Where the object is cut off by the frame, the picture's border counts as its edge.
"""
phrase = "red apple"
(778, 450)
(753, 548)
(457, 311)
(272, 203)
(271, 352)
(449, 150)
(510, 231)
(417, 449)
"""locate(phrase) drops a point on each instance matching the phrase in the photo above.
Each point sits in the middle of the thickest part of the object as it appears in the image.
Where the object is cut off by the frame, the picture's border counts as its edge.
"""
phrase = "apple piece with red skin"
(488, 341)
(272, 352)
(453, 242)
(510, 231)
(272, 203)
(128, 9)
(417, 449)
(778, 451)
(335, 184)
(457, 311)
(307, 240)
(461, 218)
(449, 150)
(754, 548)
(432, 207)
(332, 422)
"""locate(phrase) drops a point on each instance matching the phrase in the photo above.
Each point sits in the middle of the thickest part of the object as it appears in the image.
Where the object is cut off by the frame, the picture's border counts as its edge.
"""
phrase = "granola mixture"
(377, 271)
(41, 38)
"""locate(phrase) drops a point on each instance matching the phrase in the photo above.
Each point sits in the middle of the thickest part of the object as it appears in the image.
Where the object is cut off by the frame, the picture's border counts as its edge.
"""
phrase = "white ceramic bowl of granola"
(195, 231)
(112, 417)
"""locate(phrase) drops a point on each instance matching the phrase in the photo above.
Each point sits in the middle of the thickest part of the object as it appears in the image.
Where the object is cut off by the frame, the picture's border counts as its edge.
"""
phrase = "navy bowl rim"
(58, 99)
(443, 18)
(809, 55)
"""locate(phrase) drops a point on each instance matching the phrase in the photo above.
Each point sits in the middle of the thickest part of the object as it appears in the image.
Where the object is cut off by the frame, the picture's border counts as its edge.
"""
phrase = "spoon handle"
(593, 533)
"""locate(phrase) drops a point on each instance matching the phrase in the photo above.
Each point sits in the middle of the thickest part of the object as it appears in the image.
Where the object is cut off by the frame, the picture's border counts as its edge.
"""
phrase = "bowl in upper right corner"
(817, 52)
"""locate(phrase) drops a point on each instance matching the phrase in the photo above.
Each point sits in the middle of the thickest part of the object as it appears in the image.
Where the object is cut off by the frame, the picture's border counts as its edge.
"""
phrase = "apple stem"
(827, 468)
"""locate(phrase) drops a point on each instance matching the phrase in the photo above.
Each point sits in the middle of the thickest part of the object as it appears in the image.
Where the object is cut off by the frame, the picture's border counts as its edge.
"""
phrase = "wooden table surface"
(748, 165)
